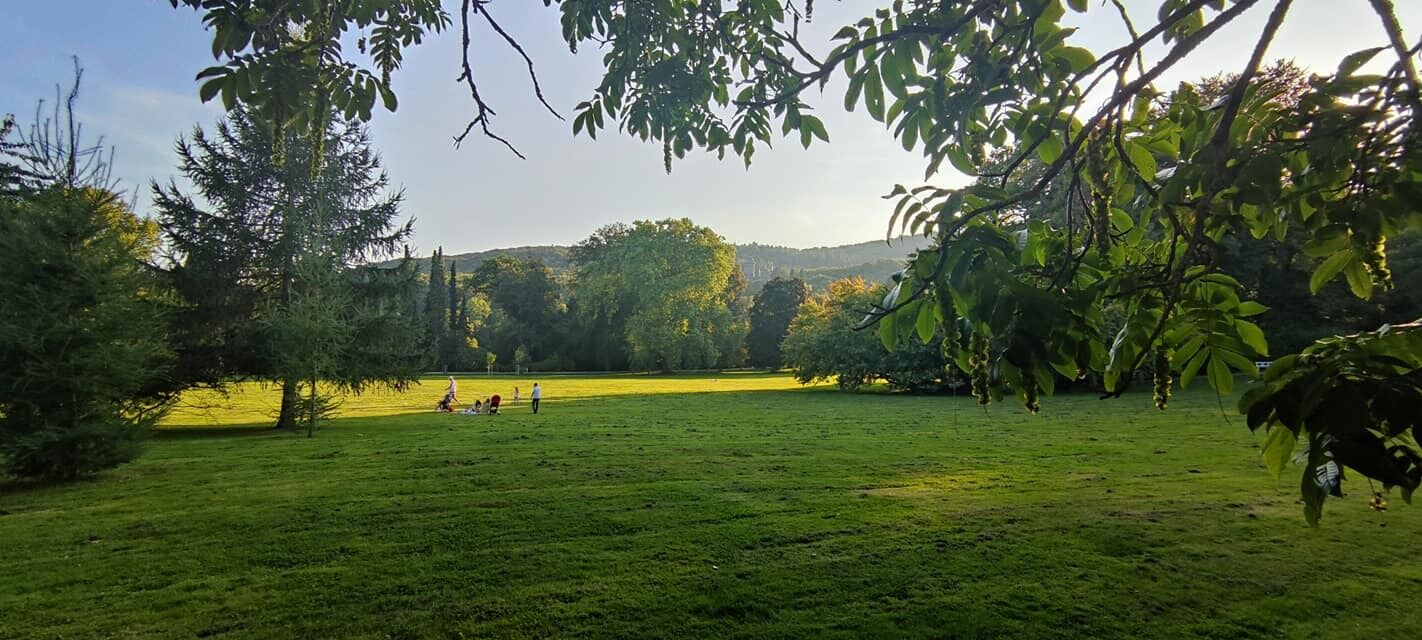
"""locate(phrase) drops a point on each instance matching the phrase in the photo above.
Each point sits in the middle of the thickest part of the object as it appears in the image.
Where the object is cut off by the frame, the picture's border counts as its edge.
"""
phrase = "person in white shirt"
(537, 394)
(451, 397)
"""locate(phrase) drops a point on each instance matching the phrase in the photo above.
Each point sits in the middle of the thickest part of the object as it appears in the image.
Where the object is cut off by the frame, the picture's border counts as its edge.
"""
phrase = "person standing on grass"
(515, 396)
(537, 393)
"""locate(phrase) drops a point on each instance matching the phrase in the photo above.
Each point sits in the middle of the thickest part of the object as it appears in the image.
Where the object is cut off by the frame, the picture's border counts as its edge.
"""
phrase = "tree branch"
(1388, 14)
(537, 90)
(482, 110)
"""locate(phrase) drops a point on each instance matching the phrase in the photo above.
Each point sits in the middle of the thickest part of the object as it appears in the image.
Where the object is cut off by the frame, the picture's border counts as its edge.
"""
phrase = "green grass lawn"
(738, 505)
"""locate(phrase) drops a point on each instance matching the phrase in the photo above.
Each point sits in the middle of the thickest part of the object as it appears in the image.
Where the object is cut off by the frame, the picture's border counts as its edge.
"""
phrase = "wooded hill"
(874, 260)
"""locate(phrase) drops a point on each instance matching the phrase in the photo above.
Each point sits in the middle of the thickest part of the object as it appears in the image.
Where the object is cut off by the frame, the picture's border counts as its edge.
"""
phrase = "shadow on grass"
(245, 430)
(13, 486)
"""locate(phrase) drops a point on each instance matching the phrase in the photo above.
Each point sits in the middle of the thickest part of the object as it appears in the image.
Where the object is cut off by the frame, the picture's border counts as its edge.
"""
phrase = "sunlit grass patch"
(670, 506)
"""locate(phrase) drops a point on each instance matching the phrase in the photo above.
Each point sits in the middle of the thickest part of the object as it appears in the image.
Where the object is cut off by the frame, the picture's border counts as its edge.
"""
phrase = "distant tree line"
(650, 296)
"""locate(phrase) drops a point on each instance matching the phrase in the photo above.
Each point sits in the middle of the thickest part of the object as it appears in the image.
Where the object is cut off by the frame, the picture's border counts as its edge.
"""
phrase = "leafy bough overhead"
(1153, 179)
(285, 62)
(1355, 401)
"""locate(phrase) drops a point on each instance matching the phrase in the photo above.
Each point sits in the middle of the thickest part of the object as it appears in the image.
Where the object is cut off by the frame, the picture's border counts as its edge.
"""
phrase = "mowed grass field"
(728, 506)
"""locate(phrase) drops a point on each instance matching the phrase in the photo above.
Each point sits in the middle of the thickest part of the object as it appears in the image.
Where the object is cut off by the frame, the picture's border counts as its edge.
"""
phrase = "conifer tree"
(436, 311)
(234, 258)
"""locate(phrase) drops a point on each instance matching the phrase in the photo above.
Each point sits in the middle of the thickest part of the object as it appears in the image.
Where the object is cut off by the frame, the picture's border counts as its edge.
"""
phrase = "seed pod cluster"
(1100, 177)
(950, 319)
(1376, 261)
(1031, 393)
(978, 363)
(1162, 378)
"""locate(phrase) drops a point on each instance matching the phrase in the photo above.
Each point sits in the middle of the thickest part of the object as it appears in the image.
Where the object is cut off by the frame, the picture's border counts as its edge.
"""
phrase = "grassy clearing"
(730, 506)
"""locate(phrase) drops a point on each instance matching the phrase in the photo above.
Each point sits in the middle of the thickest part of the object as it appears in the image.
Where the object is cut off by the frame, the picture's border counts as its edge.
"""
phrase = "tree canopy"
(667, 288)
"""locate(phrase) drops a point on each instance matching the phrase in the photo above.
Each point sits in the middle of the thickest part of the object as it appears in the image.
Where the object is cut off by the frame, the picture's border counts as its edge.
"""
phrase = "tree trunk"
(290, 405)
(311, 426)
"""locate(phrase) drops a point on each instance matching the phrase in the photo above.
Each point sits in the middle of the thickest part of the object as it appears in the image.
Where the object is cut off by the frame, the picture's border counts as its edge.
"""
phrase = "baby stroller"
(494, 405)
(446, 403)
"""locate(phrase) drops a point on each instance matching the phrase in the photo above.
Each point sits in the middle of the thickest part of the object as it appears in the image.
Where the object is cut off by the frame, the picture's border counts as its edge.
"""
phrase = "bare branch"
(482, 110)
(537, 89)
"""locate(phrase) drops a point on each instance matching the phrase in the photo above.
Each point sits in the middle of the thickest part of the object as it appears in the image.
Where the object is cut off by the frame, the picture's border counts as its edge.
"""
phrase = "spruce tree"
(234, 252)
(84, 359)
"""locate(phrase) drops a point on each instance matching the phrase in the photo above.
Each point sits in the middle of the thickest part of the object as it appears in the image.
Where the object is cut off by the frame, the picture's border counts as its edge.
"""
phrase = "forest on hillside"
(760, 263)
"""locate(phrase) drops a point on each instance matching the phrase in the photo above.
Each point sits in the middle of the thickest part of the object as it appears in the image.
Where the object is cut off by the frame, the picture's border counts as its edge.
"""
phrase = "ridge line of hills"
(872, 260)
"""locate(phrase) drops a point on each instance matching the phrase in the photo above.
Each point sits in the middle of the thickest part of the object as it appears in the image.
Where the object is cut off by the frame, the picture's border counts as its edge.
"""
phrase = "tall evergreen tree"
(457, 339)
(234, 257)
(84, 360)
(436, 311)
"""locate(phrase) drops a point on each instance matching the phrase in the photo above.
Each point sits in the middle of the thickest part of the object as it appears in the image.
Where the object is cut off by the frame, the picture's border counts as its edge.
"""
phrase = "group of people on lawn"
(489, 406)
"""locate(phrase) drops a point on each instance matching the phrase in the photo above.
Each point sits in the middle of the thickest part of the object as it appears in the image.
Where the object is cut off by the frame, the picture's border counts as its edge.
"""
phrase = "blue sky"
(140, 57)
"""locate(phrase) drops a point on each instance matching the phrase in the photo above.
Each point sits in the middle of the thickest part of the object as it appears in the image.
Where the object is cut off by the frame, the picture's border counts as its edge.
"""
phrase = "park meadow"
(684, 319)
(711, 505)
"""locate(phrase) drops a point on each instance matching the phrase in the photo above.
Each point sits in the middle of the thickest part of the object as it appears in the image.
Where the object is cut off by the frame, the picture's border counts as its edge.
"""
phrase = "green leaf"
(1328, 270)
(1252, 336)
(959, 159)
(1192, 366)
(209, 89)
(1144, 161)
(815, 127)
(1313, 494)
(1250, 308)
(1278, 448)
(1120, 220)
(892, 73)
(1357, 59)
(927, 322)
(1220, 377)
(1050, 149)
(387, 96)
(229, 93)
(1078, 58)
(1356, 273)
(873, 93)
(1326, 241)
(1078, 6)
(210, 72)
(887, 332)
(851, 95)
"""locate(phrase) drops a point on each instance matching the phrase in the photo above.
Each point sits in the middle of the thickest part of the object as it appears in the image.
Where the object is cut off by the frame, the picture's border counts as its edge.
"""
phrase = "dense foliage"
(527, 313)
(1155, 181)
(771, 311)
(82, 348)
(666, 290)
(1356, 402)
(822, 344)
